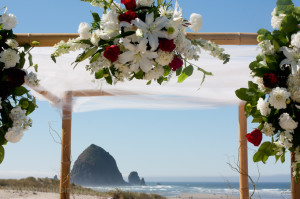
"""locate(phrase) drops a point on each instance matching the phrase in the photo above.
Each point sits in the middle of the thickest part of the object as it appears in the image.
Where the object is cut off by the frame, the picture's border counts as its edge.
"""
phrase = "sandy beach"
(13, 194)
(203, 196)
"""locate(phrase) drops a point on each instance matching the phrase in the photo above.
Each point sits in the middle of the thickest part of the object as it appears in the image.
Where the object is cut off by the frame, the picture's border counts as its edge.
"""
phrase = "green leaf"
(99, 74)
(22, 60)
(30, 59)
(36, 67)
(167, 70)
(245, 94)
(24, 103)
(252, 85)
(282, 159)
(187, 71)
(26, 47)
(109, 79)
(96, 17)
(123, 35)
(84, 41)
(19, 91)
(53, 58)
(258, 156)
(160, 80)
(139, 75)
(95, 57)
(289, 24)
(2, 153)
(149, 82)
(86, 54)
(31, 107)
(178, 71)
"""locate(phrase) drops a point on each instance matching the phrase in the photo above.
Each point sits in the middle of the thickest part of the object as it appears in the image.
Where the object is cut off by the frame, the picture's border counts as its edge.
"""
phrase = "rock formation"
(96, 167)
(134, 179)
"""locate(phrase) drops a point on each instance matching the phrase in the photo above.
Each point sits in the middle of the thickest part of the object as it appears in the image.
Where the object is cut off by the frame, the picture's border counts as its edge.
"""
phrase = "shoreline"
(24, 194)
(202, 196)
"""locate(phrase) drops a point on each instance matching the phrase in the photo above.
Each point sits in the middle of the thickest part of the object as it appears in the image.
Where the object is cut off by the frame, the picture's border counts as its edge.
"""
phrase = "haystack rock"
(134, 179)
(96, 167)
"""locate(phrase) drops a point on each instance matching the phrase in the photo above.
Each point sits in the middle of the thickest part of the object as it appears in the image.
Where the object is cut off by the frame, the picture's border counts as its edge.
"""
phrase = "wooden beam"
(243, 153)
(93, 93)
(295, 187)
(66, 146)
(49, 39)
(48, 95)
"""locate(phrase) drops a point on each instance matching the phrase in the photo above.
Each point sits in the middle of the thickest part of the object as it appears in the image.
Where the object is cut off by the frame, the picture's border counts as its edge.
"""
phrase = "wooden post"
(243, 153)
(66, 146)
(295, 187)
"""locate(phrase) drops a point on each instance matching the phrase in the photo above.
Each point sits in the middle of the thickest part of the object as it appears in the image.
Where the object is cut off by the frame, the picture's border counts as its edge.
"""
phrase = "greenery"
(271, 64)
(52, 185)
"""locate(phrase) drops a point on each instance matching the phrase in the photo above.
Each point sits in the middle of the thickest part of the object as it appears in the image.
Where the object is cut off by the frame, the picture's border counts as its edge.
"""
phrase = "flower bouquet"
(16, 103)
(274, 99)
(141, 41)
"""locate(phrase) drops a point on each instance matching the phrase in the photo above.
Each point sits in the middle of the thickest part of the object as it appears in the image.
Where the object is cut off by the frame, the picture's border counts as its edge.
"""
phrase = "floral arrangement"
(16, 103)
(274, 99)
(141, 41)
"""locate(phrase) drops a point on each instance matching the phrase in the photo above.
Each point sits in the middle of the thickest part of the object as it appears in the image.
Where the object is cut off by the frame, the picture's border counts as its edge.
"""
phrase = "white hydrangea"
(154, 73)
(196, 22)
(12, 43)
(268, 129)
(14, 134)
(277, 20)
(9, 21)
(31, 79)
(110, 25)
(9, 57)
(263, 107)
(100, 63)
(296, 40)
(294, 86)
(164, 58)
(17, 113)
(286, 122)
(146, 3)
(266, 47)
(84, 30)
(278, 97)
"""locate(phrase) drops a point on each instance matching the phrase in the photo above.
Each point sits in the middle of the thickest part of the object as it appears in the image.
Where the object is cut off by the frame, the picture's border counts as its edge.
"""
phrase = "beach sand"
(203, 196)
(13, 194)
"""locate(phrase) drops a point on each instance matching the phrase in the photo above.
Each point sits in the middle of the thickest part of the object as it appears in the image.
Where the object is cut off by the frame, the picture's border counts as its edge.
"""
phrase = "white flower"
(268, 129)
(99, 64)
(12, 43)
(164, 58)
(260, 82)
(31, 79)
(278, 97)
(17, 113)
(263, 107)
(196, 22)
(294, 86)
(292, 58)
(177, 14)
(152, 30)
(155, 73)
(286, 122)
(146, 3)
(137, 56)
(9, 57)
(163, 11)
(110, 24)
(277, 20)
(14, 134)
(9, 21)
(296, 40)
(172, 29)
(266, 47)
(83, 30)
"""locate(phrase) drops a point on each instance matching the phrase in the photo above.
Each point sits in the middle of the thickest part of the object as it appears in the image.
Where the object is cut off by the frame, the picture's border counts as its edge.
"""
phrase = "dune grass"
(52, 185)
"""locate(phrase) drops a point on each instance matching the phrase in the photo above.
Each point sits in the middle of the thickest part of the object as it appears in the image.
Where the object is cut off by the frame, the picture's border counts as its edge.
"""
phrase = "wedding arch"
(65, 100)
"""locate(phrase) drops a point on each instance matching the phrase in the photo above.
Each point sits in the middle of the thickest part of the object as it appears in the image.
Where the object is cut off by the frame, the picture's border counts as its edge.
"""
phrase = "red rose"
(270, 80)
(176, 63)
(16, 76)
(167, 45)
(112, 52)
(128, 16)
(129, 4)
(254, 137)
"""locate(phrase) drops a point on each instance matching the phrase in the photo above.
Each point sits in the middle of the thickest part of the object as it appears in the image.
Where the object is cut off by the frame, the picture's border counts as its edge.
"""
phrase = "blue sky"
(195, 143)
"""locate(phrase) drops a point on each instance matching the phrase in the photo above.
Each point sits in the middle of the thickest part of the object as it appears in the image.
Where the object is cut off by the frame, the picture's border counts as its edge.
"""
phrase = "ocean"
(265, 190)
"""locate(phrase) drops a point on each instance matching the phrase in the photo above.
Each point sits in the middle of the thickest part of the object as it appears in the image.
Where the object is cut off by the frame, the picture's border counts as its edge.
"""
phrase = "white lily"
(137, 56)
(152, 29)
(177, 14)
(292, 58)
